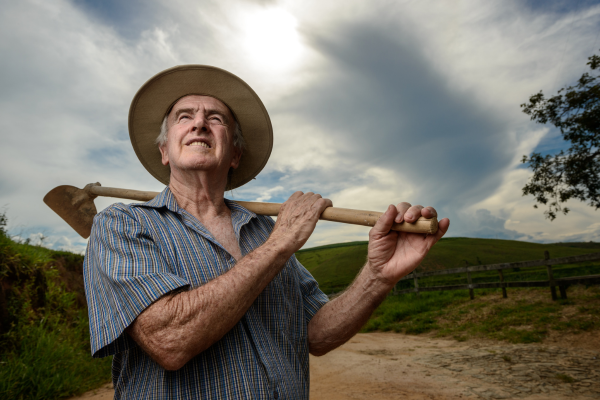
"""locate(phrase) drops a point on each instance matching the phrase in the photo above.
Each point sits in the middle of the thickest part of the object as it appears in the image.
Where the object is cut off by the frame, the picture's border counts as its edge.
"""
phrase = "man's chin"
(203, 168)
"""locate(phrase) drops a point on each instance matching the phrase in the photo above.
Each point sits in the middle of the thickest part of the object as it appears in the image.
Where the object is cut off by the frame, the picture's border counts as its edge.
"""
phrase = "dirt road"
(394, 366)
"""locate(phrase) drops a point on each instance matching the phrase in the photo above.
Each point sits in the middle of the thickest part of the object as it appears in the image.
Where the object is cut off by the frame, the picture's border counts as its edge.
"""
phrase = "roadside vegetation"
(527, 315)
(44, 333)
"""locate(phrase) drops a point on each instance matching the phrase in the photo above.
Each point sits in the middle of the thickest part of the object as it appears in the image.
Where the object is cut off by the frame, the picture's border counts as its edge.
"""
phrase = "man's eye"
(184, 117)
(215, 119)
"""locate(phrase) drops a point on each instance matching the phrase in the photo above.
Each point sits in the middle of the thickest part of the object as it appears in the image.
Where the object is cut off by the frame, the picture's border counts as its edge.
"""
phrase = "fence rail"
(562, 283)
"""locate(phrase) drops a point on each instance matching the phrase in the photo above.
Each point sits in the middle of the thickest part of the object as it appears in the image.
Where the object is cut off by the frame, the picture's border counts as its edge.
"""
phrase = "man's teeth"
(199, 144)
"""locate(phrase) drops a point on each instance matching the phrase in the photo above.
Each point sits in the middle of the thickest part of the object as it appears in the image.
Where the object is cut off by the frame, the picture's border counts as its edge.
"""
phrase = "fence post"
(416, 283)
(471, 292)
(563, 292)
(504, 296)
(551, 282)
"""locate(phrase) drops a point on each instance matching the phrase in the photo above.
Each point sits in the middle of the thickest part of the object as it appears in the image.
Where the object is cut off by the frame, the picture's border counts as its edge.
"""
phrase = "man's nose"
(200, 123)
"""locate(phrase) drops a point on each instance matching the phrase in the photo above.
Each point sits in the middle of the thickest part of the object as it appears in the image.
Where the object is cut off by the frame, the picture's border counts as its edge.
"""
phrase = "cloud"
(389, 108)
(485, 225)
(378, 103)
(591, 233)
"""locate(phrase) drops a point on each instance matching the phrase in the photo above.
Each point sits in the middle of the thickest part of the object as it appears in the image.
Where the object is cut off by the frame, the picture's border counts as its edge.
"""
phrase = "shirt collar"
(163, 199)
(239, 214)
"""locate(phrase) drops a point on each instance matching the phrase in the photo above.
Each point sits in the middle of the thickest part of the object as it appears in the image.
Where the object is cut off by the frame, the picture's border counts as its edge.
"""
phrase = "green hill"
(335, 266)
(528, 315)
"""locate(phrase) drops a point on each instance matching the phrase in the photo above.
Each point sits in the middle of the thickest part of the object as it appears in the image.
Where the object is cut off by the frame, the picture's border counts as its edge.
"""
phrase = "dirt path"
(394, 366)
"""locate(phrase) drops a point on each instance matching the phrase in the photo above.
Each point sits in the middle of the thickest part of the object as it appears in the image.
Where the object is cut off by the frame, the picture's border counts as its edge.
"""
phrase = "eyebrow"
(210, 111)
(182, 111)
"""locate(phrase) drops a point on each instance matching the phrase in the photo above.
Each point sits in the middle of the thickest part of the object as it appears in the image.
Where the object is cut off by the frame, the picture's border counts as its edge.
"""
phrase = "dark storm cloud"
(386, 105)
(128, 18)
(558, 6)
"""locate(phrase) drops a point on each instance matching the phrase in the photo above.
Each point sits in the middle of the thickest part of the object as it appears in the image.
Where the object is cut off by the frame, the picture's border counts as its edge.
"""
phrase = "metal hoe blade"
(76, 206)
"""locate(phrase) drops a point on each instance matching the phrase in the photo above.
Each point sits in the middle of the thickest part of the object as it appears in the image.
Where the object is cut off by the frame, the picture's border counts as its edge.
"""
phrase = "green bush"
(44, 331)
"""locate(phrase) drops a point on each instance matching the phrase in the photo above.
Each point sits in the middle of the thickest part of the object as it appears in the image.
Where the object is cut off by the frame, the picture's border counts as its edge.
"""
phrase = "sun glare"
(271, 38)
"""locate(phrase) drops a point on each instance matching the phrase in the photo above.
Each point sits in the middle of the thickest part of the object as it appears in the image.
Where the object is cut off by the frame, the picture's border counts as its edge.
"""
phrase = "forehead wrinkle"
(184, 110)
(207, 111)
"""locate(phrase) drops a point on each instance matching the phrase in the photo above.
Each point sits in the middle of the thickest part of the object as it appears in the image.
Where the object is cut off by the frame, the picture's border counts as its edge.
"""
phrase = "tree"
(574, 173)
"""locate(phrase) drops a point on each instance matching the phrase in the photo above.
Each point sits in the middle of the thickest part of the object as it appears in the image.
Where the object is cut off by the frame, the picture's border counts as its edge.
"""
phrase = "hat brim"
(157, 96)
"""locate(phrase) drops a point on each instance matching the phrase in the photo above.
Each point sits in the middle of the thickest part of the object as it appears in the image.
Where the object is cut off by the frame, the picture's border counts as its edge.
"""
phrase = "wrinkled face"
(200, 137)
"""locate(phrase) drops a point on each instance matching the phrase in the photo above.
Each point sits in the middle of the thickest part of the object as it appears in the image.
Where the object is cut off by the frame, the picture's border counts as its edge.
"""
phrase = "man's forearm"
(340, 319)
(178, 327)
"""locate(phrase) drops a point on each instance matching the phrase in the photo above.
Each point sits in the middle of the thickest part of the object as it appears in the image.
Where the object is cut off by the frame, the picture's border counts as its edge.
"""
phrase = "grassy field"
(528, 315)
(44, 334)
(335, 266)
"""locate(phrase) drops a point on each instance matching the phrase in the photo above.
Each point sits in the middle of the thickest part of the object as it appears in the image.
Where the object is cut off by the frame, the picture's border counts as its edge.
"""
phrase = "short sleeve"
(312, 296)
(124, 273)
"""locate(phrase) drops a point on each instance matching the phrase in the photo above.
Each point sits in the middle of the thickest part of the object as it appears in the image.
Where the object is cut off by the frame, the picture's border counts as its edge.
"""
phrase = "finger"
(384, 223)
(401, 208)
(322, 204)
(413, 213)
(310, 199)
(443, 227)
(429, 212)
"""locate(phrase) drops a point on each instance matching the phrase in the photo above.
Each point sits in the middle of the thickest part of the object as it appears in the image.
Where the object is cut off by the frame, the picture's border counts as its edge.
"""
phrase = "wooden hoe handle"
(335, 214)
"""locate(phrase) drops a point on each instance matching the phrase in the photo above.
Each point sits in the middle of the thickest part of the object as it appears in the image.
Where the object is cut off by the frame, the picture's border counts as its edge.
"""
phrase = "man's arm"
(177, 327)
(392, 255)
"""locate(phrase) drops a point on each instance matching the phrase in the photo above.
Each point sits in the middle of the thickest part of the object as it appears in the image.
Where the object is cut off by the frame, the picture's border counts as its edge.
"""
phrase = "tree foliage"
(574, 173)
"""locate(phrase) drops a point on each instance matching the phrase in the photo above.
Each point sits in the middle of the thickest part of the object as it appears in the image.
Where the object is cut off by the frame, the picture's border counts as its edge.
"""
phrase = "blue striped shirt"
(139, 252)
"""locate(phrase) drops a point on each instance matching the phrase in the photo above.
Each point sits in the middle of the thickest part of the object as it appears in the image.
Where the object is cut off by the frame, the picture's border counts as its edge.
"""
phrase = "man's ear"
(164, 155)
(237, 156)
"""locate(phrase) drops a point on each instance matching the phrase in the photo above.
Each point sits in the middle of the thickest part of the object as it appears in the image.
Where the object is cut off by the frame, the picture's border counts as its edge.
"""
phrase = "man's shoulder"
(124, 211)
(116, 209)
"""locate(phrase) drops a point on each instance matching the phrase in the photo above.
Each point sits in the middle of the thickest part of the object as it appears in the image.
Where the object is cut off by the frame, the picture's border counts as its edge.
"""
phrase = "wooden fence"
(552, 283)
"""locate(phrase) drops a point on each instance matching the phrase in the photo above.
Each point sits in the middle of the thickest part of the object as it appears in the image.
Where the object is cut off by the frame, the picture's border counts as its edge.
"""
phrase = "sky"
(372, 103)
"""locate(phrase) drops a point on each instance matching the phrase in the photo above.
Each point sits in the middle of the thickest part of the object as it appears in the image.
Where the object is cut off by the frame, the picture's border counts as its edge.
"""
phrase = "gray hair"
(238, 139)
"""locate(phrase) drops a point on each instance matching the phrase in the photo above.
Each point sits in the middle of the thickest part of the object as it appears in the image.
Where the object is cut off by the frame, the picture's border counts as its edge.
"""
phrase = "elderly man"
(197, 297)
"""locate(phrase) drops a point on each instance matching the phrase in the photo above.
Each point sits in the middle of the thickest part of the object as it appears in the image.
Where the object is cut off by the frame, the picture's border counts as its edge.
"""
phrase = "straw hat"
(161, 92)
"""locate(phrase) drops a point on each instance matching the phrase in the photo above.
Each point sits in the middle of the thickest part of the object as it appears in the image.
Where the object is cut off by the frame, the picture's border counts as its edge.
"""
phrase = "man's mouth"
(205, 145)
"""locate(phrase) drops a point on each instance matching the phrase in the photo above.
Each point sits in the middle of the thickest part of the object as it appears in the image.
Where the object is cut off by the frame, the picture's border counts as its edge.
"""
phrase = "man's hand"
(392, 254)
(297, 219)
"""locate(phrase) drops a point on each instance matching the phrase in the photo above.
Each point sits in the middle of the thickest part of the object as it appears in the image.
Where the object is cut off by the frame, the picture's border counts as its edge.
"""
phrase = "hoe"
(76, 206)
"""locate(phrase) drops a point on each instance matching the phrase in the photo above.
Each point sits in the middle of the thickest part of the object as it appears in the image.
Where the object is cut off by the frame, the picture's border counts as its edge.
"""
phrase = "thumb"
(443, 227)
(384, 223)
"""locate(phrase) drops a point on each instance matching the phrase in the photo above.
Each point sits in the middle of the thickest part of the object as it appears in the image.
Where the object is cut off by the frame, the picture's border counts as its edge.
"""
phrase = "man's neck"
(201, 196)
(204, 199)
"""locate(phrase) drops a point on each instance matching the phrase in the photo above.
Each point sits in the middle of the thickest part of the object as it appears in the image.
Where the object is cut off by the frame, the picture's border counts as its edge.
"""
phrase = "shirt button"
(275, 394)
